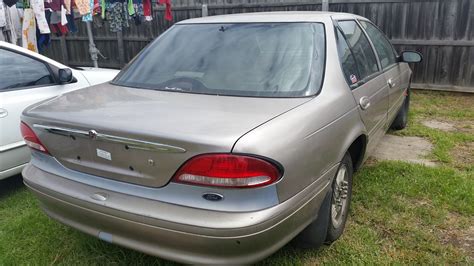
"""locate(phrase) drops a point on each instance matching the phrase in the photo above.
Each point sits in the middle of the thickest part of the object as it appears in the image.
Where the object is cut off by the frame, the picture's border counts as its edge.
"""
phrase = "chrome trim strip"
(12, 146)
(131, 143)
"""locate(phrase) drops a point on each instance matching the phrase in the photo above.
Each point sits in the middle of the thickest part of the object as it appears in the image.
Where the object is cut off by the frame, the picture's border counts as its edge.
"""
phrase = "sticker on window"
(353, 78)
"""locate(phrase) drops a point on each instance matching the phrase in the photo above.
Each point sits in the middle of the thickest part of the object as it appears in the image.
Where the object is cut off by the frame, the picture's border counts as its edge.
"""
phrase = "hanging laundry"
(15, 25)
(38, 9)
(10, 3)
(83, 6)
(88, 16)
(68, 6)
(43, 40)
(70, 23)
(29, 30)
(168, 15)
(3, 17)
(147, 10)
(117, 16)
(10, 27)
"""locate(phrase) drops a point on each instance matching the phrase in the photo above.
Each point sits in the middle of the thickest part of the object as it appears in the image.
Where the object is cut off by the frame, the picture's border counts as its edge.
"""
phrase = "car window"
(382, 46)
(360, 47)
(243, 59)
(19, 71)
(348, 63)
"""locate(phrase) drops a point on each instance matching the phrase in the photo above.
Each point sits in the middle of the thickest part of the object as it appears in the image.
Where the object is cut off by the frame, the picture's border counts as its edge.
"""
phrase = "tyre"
(340, 199)
(401, 120)
(324, 229)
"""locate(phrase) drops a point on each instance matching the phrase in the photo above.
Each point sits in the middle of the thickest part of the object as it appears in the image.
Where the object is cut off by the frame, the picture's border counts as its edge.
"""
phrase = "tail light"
(31, 139)
(227, 170)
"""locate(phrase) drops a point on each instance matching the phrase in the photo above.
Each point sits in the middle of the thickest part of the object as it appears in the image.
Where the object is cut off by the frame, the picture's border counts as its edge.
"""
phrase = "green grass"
(401, 213)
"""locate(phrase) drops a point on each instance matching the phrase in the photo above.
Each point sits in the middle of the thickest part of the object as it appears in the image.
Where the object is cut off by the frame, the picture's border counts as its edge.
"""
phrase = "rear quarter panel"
(311, 139)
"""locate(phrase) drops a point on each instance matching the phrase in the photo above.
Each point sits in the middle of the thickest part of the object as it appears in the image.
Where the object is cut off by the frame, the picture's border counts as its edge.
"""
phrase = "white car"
(26, 78)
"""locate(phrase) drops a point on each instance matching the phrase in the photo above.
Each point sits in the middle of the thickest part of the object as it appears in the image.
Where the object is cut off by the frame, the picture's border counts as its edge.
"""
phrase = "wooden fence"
(442, 30)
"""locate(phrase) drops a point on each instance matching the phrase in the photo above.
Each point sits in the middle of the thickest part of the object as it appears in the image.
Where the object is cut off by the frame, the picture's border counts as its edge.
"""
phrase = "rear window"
(246, 59)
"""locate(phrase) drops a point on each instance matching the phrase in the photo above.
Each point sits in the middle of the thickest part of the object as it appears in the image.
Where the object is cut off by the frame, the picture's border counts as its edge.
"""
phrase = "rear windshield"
(246, 59)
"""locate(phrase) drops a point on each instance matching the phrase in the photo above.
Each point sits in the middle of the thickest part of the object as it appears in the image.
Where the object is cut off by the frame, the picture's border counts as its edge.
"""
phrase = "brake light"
(31, 139)
(227, 170)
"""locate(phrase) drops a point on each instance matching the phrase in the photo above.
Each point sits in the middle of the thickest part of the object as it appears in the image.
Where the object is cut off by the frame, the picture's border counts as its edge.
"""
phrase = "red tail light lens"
(31, 139)
(227, 170)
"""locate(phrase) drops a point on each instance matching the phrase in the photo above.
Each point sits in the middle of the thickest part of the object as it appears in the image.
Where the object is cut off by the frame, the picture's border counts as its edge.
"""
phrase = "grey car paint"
(307, 136)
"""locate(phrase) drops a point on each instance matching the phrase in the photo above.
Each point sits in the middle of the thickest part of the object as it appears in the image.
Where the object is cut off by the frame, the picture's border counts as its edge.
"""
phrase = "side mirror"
(65, 75)
(411, 57)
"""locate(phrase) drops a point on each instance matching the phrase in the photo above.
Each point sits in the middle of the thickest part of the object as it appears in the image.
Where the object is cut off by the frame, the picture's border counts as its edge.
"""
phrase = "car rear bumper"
(246, 237)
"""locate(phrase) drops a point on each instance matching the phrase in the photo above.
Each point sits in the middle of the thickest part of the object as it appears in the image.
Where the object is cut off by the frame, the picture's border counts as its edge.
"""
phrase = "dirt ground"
(406, 149)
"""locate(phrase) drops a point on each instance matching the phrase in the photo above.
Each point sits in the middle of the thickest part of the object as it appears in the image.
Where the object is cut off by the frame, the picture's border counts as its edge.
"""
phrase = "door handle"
(364, 102)
(3, 113)
(391, 83)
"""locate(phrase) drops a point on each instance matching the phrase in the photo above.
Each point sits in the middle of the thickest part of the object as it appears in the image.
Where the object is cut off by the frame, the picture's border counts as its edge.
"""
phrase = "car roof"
(282, 16)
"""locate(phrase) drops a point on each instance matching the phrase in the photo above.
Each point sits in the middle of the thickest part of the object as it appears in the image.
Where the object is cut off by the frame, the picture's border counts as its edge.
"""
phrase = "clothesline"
(29, 23)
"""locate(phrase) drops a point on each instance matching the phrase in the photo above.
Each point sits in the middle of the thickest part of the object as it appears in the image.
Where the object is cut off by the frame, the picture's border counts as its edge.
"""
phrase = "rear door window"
(383, 47)
(360, 46)
(348, 63)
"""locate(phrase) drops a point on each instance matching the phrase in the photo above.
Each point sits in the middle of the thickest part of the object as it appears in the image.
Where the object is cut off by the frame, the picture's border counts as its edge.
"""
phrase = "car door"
(24, 80)
(363, 74)
(391, 67)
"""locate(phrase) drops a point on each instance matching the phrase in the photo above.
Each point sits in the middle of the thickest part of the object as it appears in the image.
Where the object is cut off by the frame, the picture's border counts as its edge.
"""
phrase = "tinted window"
(19, 71)
(246, 59)
(360, 47)
(382, 46)
(348, 63)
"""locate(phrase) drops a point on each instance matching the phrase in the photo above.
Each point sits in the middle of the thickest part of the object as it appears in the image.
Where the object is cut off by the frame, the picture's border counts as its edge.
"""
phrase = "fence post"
(325, 5)
(121, 50)
(62, 43)
(204, 10)
(92, 48)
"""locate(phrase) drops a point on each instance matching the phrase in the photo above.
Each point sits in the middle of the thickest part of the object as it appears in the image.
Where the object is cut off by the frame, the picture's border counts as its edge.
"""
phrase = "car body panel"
(307, 137)
(194, 123)
(244, 237)
(13, 152)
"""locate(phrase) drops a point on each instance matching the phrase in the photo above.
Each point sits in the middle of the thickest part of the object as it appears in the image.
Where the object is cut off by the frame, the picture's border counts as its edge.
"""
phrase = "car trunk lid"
(143, 136)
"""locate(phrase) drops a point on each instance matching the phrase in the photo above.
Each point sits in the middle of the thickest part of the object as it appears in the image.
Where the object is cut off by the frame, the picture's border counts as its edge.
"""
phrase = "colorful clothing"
(88, 16)
(147, 10)
(29, 30)
(168, 15)
(83, 6)
(117, 16)
(38, 9)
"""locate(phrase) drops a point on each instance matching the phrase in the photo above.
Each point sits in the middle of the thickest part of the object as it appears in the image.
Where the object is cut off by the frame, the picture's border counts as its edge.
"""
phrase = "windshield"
(246, 59)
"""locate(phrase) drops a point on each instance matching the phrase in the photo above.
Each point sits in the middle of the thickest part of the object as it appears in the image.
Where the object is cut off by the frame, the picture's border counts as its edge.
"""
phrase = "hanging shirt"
(67, 5)
(83, 6)
(3, 18)
(88, 16)
(168, 15)
(38, 9)
(29, 30)
(15, 23)
(147, 10)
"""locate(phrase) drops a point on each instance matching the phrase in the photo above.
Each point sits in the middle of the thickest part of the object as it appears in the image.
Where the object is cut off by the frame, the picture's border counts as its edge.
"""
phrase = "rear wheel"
(332, 214)
(340, 199)
(401, 120)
